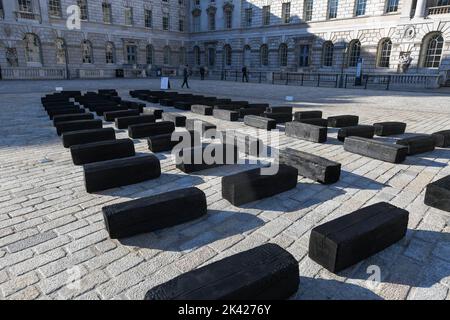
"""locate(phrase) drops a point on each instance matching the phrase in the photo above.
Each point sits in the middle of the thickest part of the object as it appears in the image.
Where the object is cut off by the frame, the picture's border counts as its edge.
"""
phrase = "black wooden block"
(347, 240)
(125, 122)
(343, 121)
(193, 159)
(133, 105)
(251, 111)
(363, 131)
(245, 143)
(311, 166)
(57, 112)
(204, 126)
(437, 194)
(164, 142)
(383, 151)
(58, 106)
(101, 151)
(120, 172)
(153, 213)
(178, 119)
(315, 121)
(72, 117)
(157, 113)
(306, 131)
(312, 114)
(278, 117)
(267, 272)
(202, 109)
(183, 105)
(280, 109)
(100, 110)
(251, 185)
(263, 106)
(112, 115)
(260, 122)
(167, 102)
(442, 138)
(389, 128)
(143, 130)
(232, 107)
(227, 115)
(87, 136)
(418, 144)
(67, 126)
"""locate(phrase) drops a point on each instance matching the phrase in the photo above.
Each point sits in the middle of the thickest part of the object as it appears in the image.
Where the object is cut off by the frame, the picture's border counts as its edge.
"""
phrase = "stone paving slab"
(52, 232)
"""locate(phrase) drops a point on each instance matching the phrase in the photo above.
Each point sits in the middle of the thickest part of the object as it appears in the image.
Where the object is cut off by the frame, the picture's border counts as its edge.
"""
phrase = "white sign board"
(289, 98)
(164, 83)
(59, 89)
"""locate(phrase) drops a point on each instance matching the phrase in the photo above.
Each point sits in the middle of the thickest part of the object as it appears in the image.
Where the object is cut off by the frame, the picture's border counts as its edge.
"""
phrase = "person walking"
(244, 74)
(185, 77)
(202, 73)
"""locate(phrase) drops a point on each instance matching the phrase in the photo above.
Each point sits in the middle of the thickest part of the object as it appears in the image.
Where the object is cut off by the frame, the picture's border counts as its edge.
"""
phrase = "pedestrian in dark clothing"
(244, 74)
(202, 73)
(185, 77)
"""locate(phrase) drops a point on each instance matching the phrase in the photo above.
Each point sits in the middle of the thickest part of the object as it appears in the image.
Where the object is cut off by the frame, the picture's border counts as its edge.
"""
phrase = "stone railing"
(96, 73)
(33, 73)
(439, 10)
(27, 15)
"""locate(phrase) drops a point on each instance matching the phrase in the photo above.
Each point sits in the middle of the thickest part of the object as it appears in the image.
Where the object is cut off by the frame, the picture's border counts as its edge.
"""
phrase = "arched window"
(432, 50)
(283, 55)
(247, 56)
(182, 56)
(109, 52)
(228, 17)
(227, 53)
(32, 48)
(197, 58)
(264, 55)
(384, 53)
(60, 46)
(354, 52)
(149, 54)
(327, 54)
(166, 55)
(86, 51)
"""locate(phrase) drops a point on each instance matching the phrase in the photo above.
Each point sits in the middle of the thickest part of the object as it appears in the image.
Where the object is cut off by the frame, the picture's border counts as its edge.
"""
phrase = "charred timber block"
(311, 166)
(418, 144)
(251, 111)
(383, 151)
(267, 272)
(72, 117)
(232, 107)
(343, 121)
(278, 117)
(100, 110)
(315, 121)
(166, 142)
(112, 115)
(245, 143)
(182, 105)
(143, 130)
(260, 122)
(223, 101)
(437, 194)
(192, 124)
(280, 109)
(263, 106)
(389, 128)
(302, 115)
(155, 112)
(152, 99)
(167, 102)
(57, 112)
(125, 122)
(227, 115)
(58, 106)
(205, 157)
(356, 131)
(202, 109)
(251, 185)
(67, 126)
(133, 105)
(306, 131)
(442, 138)
(178, 119)
(120, 172)
(87, 136)
(101, 151)
(347, 240)
(153, 213)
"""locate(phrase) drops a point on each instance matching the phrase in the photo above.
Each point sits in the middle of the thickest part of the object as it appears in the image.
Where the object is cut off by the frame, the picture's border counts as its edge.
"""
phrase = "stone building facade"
(309, 36)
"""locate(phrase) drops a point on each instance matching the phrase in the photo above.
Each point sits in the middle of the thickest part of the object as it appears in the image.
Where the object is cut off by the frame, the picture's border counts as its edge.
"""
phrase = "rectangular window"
(181, 25)
(332, 8)
(148, 18)
(212, 21)
(266, 15)
(107, 12)
(131, 54)
(128, 16)
(308, 10)
(360, 9)
(392, 6)
(248, 17)
(196, 23)
(303, 58)
(211, 56)
(165, 21)
(54, 8)
(228, 19)
(84, 15)
(286, 12)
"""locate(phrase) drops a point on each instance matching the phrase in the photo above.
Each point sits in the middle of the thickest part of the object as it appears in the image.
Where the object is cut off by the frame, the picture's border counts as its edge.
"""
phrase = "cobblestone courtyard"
(49, 224)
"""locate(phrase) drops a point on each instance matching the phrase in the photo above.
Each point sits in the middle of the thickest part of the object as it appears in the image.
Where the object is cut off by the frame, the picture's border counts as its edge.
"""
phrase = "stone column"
(420, 9)
(43, 11)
